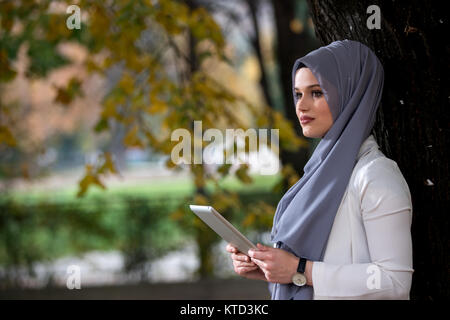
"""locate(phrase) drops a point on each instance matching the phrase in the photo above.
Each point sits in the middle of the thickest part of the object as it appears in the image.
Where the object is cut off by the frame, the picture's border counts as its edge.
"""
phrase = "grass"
(174, 187)
(49, 224)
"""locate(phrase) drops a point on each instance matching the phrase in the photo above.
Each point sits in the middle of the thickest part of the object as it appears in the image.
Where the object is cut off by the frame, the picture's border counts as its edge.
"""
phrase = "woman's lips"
(305, 120)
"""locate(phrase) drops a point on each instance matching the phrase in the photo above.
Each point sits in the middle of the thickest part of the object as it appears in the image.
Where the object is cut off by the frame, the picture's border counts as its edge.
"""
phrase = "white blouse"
(369, 250)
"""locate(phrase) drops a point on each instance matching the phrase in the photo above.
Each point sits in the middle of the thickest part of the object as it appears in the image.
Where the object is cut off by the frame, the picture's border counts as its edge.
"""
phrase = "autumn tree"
(164, 51)
(292, 36)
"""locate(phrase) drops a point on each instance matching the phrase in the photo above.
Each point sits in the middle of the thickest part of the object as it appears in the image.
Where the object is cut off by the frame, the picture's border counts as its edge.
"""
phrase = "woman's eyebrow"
(310, 86)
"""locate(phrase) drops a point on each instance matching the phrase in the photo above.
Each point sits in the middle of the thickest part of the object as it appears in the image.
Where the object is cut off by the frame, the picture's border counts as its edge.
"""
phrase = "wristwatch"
(299, 278)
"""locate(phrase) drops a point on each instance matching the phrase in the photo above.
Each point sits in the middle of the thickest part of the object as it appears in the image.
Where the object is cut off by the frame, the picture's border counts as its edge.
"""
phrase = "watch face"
(299, 279)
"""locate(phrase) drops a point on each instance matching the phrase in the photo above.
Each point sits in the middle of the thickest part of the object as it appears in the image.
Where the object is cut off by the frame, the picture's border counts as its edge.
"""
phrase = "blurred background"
(89, 97)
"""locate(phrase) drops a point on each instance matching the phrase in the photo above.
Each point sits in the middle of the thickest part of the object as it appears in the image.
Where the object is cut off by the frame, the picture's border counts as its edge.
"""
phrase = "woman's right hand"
(243, 266)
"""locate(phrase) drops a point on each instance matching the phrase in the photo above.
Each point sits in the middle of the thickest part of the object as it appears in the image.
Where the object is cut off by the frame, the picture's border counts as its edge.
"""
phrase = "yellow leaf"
(249, 220)
(62, 96)
(199, 180)
(224, 169)
(242, 175)
(89, 178)
(109, 108)
(200, 199)
(221, 202)
(131, 139)
(108, 164)
(6, 137)
(126, 84)
(157, 106)
(289, 139)
(170, 164)
(177, 214)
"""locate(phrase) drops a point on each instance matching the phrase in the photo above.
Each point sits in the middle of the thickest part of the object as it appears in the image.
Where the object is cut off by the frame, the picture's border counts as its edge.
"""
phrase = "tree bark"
(205, 238)
(289, 47)
(412, 121)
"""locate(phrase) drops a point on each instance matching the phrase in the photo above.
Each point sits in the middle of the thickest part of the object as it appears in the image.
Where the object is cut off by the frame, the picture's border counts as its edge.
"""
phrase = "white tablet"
(223, 228)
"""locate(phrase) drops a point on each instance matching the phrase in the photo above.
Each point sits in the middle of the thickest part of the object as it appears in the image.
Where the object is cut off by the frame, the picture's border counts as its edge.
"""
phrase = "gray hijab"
(351, 78)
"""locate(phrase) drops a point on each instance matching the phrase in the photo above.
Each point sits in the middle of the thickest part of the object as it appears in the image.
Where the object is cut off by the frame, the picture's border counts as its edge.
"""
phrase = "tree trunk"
(204, 237)
(412, 122)
(289, 47)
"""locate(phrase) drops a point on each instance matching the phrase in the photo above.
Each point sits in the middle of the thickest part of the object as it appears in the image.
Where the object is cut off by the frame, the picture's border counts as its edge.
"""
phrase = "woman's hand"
(277, 265)
(243, 266)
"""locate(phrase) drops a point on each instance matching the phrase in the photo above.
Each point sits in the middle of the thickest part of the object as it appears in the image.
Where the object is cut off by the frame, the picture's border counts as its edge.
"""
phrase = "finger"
(262, 247)
(231, 248)
(240, 257)
(259, 263)
(240, 264)
(261, 255)
(245, 269)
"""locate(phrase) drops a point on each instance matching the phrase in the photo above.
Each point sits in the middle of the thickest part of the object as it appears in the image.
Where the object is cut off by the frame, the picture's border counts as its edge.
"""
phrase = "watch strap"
(301, 265)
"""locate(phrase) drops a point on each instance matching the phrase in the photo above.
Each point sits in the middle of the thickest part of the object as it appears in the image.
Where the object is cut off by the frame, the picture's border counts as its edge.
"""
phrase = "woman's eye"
(317, 94)
(298, 95)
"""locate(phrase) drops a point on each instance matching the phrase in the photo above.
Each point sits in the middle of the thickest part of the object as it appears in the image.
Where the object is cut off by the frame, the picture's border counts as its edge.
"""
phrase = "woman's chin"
(308, 134)
(314, 135)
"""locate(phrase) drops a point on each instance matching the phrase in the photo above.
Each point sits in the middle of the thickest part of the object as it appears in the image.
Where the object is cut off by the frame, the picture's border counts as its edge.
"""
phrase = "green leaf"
(101, 125)
(44, 57)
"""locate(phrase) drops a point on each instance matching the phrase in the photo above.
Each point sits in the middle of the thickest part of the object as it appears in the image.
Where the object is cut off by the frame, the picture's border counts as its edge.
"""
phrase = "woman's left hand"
(278, 265)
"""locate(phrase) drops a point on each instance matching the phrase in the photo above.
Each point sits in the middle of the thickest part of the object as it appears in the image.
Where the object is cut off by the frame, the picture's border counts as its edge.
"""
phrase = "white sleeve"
(386, 210)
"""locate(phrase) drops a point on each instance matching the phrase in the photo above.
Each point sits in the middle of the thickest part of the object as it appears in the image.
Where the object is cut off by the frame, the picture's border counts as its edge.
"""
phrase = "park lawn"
(56, 223)
(171, 187)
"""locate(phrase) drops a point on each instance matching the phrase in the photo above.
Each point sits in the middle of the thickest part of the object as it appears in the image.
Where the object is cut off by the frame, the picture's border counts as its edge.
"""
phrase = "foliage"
(161, 48)
(148, 87)
(143, 230)
(43, 231)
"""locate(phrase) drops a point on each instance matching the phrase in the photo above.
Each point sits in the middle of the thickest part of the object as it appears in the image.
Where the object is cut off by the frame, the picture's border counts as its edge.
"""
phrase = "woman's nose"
(301, 105)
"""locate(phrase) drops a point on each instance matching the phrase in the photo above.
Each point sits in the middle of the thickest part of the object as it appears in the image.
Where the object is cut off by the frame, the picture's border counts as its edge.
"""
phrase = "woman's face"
(311, 103)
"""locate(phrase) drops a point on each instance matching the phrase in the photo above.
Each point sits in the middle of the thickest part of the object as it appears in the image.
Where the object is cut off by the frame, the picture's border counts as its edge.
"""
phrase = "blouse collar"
(369, 144)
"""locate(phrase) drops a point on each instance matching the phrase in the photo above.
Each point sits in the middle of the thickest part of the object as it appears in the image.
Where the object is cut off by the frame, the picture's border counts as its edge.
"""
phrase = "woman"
(343, 230)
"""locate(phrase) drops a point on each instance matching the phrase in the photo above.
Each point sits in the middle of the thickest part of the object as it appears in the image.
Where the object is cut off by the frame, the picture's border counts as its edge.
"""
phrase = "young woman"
(343, 230)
